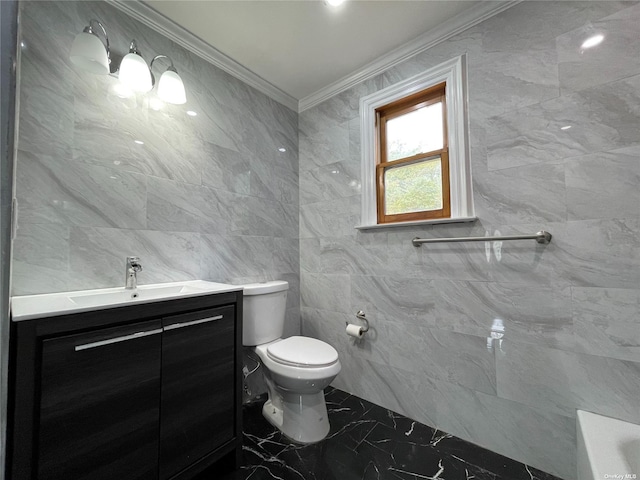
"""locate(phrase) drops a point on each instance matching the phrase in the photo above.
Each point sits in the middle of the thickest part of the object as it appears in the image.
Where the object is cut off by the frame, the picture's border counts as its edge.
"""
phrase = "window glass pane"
(416, 132)
(413, 188)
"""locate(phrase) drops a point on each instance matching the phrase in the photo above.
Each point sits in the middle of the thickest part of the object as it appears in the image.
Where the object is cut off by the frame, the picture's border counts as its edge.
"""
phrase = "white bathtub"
(608, 449)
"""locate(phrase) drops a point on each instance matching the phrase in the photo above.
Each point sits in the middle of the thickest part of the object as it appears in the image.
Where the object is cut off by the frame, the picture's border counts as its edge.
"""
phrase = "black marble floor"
(367, 442)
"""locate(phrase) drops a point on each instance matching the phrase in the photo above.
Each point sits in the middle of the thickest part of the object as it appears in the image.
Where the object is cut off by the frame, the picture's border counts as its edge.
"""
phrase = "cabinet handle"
(124, 338)
(173, 326)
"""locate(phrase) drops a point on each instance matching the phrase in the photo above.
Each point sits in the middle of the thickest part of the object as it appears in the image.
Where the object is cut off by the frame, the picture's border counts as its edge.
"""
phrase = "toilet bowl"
(296, 369)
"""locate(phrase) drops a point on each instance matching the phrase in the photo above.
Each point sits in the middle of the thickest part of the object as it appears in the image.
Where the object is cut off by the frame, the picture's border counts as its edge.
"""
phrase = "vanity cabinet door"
(99, 408)
(198, 389)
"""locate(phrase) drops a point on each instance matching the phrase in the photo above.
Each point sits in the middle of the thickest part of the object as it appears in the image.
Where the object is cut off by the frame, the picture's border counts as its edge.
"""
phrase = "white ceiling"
(303, 46)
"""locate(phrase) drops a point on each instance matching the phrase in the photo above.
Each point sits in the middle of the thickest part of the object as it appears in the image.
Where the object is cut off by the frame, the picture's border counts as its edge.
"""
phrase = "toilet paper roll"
(354, 330)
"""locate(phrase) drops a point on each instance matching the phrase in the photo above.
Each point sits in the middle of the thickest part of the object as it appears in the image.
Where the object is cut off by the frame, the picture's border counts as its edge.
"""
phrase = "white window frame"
(453, 72)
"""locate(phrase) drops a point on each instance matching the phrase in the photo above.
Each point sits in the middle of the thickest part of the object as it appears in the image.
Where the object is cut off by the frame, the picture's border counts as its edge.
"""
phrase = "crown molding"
(148, 16)
(464, 20)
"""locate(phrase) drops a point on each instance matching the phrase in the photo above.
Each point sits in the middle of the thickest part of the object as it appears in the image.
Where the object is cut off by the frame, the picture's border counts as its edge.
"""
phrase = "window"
(412, 162)
(414, 151)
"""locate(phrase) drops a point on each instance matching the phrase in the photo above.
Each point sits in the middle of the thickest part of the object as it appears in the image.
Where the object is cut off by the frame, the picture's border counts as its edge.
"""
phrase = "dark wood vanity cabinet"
(139, 392)
(197, 399)
(99, 404)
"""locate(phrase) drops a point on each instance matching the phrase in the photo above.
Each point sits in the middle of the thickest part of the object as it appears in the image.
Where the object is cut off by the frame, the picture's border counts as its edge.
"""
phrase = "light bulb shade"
(135, 73)
(89, 53)
(171, 88)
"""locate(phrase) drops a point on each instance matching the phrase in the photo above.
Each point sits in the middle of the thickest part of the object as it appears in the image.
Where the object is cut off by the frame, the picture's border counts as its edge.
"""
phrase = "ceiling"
(303, 46)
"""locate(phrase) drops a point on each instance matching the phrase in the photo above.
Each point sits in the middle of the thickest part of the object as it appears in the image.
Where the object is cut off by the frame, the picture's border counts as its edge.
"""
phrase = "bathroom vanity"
(144, 387)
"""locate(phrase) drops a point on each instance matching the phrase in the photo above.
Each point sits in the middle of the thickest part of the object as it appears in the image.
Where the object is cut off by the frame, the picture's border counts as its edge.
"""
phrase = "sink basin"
(29, 307)
(141, 293)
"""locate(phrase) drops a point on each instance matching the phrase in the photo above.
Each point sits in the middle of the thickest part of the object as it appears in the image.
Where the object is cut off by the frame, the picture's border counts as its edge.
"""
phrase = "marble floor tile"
(366, 442)
(531, 435)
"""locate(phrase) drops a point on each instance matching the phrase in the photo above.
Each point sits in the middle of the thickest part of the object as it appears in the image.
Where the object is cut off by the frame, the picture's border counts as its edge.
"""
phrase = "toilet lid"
(303, 352)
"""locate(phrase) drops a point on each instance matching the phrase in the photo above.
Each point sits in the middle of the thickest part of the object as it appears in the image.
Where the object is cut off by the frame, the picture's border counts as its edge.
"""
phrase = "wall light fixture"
(89, 53)
(134, 71)
(170, 85)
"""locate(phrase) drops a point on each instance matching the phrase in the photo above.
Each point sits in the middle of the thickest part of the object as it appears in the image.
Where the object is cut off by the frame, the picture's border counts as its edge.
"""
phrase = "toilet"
(296, 369)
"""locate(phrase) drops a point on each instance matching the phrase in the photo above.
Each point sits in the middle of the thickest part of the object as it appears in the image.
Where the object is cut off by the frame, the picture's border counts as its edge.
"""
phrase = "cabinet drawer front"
(198, 387)
(99, 407)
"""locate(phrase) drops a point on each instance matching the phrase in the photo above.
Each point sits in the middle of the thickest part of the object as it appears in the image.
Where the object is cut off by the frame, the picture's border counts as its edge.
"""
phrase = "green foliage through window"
(415, 187)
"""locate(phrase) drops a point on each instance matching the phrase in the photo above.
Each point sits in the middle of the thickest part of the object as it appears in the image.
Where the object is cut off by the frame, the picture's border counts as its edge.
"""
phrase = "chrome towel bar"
(541, 237)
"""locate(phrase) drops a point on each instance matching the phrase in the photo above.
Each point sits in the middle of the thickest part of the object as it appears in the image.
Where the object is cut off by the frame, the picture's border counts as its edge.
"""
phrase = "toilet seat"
(302, 352)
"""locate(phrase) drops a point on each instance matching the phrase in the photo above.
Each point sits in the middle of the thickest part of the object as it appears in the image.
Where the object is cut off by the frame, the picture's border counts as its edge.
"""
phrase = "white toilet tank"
(263, 310)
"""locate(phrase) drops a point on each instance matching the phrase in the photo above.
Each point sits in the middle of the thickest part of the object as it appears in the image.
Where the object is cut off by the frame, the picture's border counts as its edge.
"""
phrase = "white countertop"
(607, 447)
(29, 307)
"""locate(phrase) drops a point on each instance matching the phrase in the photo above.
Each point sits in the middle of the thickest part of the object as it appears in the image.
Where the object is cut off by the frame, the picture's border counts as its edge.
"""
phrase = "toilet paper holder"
(360, 315)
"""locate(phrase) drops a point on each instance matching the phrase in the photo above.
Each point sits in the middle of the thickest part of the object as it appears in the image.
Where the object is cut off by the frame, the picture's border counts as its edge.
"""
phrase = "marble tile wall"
(570, 310)
(207, 197)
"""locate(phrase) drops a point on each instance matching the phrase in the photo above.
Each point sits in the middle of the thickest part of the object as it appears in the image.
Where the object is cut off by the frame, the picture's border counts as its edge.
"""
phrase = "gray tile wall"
(208, 197)
(571, 310)
(212, 197)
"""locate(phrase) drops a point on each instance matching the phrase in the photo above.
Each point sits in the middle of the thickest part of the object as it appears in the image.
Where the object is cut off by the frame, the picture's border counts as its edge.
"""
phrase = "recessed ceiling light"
(335, 3)
(139, 142)
(282, 149)
(566, 127)
(592, 41)
(191, 113)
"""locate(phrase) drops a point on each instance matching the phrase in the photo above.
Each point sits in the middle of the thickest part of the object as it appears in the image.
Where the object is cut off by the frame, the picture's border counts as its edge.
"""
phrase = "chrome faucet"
(133, 267)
